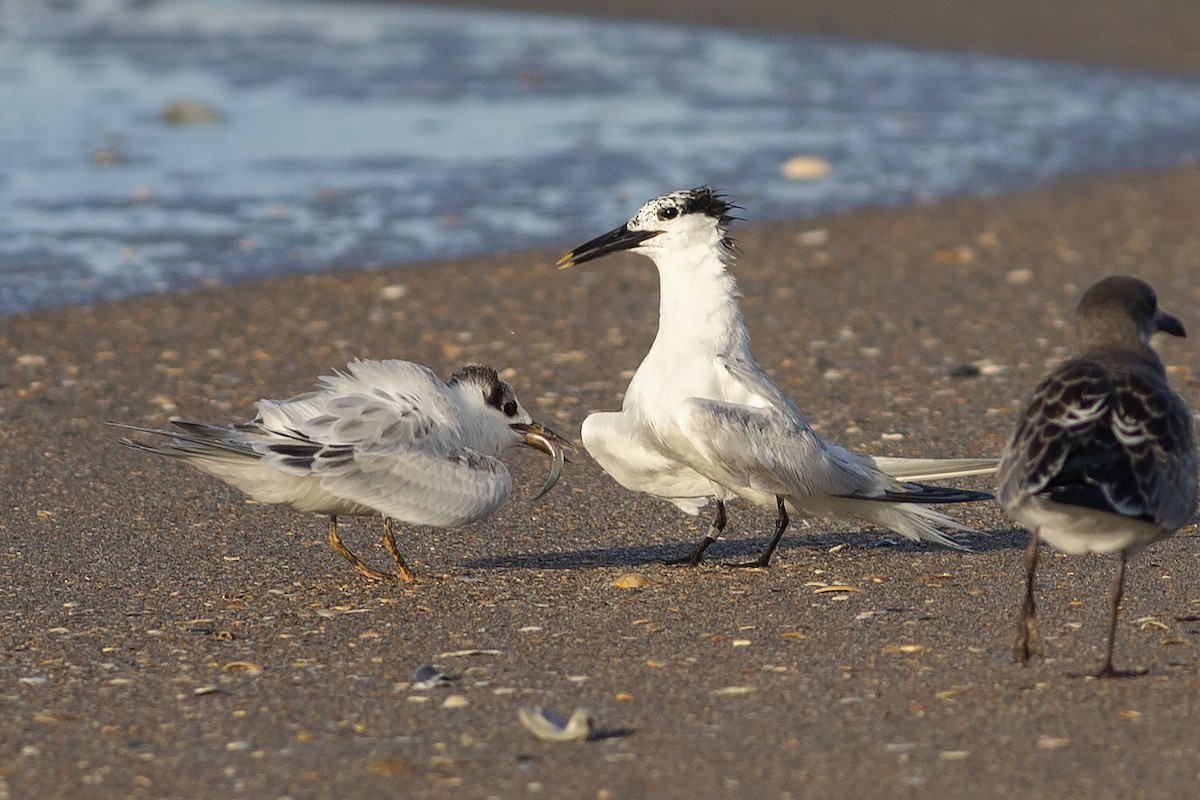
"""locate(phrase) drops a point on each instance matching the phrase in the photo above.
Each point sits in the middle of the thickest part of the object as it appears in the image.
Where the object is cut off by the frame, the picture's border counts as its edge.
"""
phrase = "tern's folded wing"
(769, 451)
(451, 487)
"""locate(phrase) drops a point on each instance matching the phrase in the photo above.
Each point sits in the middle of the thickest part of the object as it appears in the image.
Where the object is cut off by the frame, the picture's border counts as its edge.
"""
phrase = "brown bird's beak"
(539, 437)
(1168, 324)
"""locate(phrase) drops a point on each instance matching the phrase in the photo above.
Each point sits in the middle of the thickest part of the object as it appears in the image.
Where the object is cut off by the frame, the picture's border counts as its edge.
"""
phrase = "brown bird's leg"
(1028, 641)
(714, 532)
(389, 539)
(1114, 609)
(335, 542)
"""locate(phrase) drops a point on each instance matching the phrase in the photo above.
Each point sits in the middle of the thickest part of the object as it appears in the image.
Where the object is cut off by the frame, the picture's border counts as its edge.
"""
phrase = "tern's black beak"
(612, 242)
(539, 437)
(1168, 324)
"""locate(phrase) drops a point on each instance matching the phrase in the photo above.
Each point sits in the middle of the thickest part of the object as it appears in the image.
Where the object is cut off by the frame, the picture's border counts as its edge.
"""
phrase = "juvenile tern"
(701, 420)
(382, 438)
(1102, 458)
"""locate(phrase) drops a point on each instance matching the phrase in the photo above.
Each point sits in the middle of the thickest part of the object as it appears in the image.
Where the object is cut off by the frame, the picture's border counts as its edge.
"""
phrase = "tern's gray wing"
(1114, 440)
(394, 444)
(427, 483)
(770, 451)
(746, 383)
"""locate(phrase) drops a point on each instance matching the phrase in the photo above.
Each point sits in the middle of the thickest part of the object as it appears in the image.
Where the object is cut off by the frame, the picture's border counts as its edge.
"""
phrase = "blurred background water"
(153, 145)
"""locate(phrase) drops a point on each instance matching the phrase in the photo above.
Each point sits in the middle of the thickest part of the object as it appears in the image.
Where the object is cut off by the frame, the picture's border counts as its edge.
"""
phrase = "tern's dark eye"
(510, 409)
(670, 212)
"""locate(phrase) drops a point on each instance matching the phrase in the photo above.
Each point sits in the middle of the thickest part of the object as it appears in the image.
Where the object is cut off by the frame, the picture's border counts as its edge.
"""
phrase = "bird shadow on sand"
(733, 551)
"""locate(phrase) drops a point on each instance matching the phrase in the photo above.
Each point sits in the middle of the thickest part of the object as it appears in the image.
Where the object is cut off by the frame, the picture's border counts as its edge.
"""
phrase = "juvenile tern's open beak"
(539, 437)
(612, 242)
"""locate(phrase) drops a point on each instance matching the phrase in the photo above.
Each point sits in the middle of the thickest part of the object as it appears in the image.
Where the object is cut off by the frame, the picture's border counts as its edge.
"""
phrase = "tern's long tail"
(911, 520)
(934, 469)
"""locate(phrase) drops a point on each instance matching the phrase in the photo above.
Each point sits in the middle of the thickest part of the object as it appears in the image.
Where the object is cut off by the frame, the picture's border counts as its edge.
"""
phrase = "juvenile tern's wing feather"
(396, 444)
(426, 485)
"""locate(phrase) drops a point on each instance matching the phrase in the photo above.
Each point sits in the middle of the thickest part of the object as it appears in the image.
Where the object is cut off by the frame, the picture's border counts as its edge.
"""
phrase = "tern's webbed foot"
(693, 558)
(403, 572)
(368, 572)
(1108, 671)
(758, 563)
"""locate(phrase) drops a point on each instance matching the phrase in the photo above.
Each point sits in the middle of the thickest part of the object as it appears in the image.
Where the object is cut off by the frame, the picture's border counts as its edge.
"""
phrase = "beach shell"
(549, 726)
(631, 580)
(429, 676)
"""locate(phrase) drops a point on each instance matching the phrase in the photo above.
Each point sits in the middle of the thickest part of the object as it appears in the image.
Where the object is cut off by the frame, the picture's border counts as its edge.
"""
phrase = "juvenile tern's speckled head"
(481, 387)
(672, 222)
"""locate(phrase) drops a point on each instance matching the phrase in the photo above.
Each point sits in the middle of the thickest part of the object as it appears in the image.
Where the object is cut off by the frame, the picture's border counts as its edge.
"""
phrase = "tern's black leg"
(335, 542)
(714, 532)
(781, 523)
(1028, 641)
(1114, 608)
(389, 540)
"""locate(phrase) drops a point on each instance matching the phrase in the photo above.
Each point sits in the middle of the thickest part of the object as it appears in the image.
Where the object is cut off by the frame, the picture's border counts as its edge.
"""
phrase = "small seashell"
(429, 676)
(805, 168)
(1047, 742)
(471, 652)
(187, 111)
(631, 580)
(551, 727)
(837, 588)
(247, 667)
(31, 360)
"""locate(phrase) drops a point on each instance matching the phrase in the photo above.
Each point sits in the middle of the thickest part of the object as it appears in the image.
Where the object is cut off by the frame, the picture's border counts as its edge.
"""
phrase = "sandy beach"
(165, 638)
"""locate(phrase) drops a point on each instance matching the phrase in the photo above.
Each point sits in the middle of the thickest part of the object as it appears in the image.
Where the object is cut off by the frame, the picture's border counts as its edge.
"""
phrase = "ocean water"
(346, 135)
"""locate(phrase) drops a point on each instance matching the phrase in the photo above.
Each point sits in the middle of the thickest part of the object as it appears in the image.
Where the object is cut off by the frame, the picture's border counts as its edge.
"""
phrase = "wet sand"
(165, 638)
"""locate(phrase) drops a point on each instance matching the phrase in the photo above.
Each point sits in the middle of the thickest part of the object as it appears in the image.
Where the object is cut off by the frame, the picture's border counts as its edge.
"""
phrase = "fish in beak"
(539, 437)
(614, 241)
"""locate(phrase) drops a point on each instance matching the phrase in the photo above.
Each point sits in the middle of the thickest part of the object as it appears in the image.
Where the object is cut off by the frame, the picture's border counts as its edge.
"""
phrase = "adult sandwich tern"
(701, 420)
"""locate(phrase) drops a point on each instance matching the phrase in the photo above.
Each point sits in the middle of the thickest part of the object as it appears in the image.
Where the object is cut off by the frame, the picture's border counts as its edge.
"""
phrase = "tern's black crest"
(485, 378)
(497, 393)
(701, 200)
